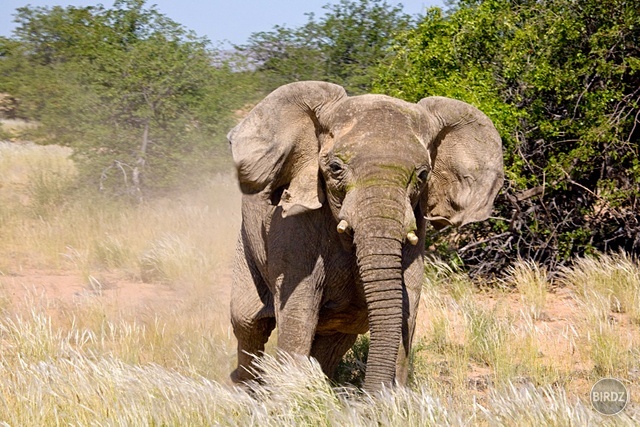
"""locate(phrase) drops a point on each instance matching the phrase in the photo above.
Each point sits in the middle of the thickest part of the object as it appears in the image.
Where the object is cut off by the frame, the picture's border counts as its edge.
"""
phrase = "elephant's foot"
(240, 376)
(247, 370)
(245, 381)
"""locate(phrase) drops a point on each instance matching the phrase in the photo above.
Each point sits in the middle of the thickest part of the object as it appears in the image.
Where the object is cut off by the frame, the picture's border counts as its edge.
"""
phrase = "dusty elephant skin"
(337, 192)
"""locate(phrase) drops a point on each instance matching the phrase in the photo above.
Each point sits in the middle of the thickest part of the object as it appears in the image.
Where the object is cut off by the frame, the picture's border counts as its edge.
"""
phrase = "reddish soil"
(69, 288)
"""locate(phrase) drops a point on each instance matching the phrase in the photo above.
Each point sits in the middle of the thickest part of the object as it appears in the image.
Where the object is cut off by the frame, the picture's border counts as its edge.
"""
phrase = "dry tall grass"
(184, 237)
(500, 357)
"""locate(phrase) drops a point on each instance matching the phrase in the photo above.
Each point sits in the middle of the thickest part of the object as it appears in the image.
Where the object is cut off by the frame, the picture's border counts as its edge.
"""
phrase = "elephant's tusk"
(343, 226)
(412, 238)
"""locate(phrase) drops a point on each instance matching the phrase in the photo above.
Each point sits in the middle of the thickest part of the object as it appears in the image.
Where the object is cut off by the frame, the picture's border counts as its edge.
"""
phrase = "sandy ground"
(67, 287)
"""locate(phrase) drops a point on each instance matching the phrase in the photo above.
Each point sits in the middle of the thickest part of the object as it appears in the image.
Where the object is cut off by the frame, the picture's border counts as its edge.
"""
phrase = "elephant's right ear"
(276, 146)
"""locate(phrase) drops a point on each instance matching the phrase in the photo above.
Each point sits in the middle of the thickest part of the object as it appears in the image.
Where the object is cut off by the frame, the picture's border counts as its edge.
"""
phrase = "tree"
(355, 36)
(285, 55)
(343, 46)
(561, 80)
(134, 93)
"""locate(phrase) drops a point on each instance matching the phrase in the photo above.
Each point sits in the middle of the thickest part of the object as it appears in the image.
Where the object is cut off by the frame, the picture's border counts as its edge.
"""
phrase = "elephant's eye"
(335, 166)
(423, 175)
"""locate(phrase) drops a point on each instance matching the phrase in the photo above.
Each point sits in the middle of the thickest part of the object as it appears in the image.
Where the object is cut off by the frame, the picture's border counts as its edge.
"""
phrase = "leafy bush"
(561, 81)
(143, 102)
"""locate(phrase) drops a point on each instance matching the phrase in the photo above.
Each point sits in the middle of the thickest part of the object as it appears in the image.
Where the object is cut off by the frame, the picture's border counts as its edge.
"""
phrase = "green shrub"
(560, 81)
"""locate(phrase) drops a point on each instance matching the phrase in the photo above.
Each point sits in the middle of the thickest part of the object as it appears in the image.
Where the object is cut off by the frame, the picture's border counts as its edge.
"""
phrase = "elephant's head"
(382, 165)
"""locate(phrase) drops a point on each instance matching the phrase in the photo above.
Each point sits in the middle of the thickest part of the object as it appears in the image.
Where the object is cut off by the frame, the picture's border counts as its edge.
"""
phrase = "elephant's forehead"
(375, 110)
(375, 124)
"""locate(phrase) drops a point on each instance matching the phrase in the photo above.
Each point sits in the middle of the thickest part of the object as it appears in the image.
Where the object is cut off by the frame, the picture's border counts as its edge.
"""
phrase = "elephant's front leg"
(297, 307)
(252, 314)
(296, 245)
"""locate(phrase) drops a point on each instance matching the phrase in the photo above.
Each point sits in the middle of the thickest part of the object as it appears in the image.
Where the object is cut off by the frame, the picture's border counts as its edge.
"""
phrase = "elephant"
(337, 192)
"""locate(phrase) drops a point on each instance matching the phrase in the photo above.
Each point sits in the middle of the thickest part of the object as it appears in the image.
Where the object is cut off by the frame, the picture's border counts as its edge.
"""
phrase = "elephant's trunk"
(378, 239)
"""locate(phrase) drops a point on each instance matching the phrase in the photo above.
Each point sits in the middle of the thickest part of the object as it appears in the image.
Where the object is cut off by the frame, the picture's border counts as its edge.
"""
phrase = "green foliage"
(343, 46)
(138, 97)
(560, 81)
(352, 367)
(285, 55)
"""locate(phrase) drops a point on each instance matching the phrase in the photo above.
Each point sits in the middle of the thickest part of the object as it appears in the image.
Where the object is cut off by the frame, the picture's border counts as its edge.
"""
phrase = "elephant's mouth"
(438, 222)
(346, 234)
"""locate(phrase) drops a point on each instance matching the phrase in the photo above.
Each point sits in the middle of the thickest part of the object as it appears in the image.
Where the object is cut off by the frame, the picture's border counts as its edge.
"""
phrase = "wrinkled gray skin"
(337, 192)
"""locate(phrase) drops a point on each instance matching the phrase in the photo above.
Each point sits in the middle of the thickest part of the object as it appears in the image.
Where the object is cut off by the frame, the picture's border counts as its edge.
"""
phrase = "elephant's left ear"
(275, 148)
(466, 160)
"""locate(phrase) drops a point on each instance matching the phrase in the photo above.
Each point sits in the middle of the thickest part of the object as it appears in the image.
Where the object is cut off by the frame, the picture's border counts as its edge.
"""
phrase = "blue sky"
(219, 20)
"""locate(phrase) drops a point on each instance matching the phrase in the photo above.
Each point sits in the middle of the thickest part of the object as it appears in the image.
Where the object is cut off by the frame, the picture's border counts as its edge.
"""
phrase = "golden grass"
(531, 281)
(609, 282)
(608, 294)
(520, 338)
(184, 237)
(79, 376)
(519, 355)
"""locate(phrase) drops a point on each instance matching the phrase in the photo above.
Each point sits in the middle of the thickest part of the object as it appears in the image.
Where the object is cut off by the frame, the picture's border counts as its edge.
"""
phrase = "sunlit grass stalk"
(605, 286)
(530, 280)
(613, 277)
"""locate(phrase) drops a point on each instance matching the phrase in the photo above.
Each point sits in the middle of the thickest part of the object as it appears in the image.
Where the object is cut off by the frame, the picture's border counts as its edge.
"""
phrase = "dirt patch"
(68, 288)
